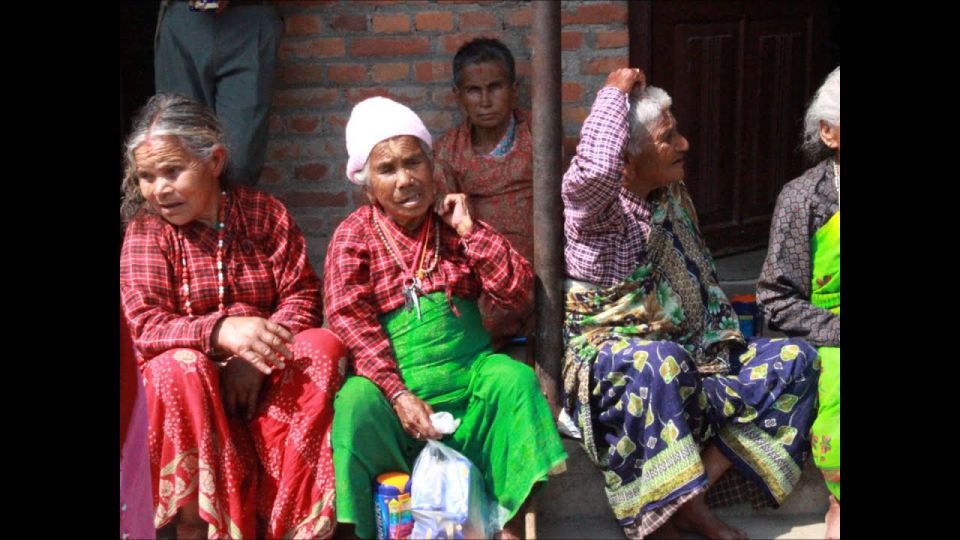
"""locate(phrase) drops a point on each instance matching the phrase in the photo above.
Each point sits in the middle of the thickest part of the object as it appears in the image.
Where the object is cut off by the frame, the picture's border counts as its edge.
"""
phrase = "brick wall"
(335, 54)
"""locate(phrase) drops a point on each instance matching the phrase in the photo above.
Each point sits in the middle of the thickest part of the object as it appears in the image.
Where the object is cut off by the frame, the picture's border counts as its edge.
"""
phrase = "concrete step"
(578, 495)
(779, 526)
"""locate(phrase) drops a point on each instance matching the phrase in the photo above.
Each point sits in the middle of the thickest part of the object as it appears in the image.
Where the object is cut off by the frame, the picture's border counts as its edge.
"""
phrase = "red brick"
(572, 92)
(352, 23)
(347, 73)
(428, 72)
(281, 151)
(519, 17)
(391, 24)
(306, 97)
(303, 124)
(302, 25)
(306, 199)
(437, 121)
(390, 46)
(595, 13)
(314, 48)
(434, 20)
(444, 98)
(453, 42)
(409, 96)
(270, 176)
(311, 171)
(374, 3)
(275, 124)
(318, 147)
(611, 40)
(571, 40)
(478, 20)
(575, 115)
(602, 66)
(382, 73)
(301, 73)
(339, 120)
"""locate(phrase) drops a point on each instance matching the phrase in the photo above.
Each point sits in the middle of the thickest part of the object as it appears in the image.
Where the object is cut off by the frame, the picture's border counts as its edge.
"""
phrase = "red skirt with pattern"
(277, 466)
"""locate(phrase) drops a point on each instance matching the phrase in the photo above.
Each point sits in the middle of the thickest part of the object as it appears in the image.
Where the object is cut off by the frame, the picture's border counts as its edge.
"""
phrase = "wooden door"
(740, 74)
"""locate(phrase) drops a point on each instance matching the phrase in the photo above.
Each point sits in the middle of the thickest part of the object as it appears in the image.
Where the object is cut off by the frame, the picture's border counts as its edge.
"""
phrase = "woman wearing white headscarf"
(402, 278)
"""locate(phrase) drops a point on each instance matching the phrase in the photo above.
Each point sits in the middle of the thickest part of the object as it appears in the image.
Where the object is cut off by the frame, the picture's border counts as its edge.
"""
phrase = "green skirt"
(825, 433)
(507, 430)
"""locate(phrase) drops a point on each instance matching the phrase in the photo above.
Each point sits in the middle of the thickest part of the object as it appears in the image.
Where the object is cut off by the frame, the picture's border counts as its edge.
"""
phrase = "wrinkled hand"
(455, 212)
(261, 342)
(625, 79)
(414, 415)
(240, 385)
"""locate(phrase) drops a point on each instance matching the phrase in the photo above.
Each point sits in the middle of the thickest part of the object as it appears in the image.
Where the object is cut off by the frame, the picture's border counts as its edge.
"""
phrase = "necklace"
(836, 180)
(185, 287)
(413, 279)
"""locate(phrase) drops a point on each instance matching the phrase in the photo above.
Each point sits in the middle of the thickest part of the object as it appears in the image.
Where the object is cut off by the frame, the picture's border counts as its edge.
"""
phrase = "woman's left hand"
(455, 212)
(240, 385)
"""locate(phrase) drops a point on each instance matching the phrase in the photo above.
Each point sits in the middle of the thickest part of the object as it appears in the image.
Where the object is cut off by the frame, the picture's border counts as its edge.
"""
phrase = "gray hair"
(825, 106)
(192, 123)
(646, 108)
(363, 175)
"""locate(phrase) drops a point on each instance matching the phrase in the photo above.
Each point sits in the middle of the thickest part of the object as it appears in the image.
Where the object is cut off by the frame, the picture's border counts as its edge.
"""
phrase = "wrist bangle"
(397, 395)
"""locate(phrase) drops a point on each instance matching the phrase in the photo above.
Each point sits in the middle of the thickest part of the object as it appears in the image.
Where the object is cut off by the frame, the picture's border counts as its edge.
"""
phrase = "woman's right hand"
(414, 414)
(260, 342)
(624, 79)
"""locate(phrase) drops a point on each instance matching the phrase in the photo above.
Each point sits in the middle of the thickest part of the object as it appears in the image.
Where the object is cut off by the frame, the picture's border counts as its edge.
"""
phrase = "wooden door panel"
(776, 60)
(740, 74)
(705, 97)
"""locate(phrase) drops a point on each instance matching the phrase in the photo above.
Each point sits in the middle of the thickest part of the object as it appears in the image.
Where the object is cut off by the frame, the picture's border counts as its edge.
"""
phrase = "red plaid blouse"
(266, 272)
(362, 281)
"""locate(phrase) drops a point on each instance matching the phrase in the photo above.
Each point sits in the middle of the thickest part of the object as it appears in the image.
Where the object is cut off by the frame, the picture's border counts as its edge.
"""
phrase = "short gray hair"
(192, 123)
(825, 106)
(647, 105)
(363, 175)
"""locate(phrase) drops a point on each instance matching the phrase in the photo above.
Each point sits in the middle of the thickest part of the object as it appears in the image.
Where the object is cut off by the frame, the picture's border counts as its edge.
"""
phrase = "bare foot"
(513, 530)
(696, 516)
(833, 520)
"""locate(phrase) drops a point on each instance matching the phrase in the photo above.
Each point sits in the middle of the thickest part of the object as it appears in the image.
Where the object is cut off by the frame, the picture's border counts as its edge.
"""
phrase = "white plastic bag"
(448, 499)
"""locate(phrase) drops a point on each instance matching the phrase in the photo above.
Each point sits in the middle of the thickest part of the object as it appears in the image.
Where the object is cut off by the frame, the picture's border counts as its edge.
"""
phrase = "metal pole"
(547, 206)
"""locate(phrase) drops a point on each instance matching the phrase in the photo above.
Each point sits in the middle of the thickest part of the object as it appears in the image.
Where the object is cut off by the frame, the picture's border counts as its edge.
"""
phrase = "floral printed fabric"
(278, 466)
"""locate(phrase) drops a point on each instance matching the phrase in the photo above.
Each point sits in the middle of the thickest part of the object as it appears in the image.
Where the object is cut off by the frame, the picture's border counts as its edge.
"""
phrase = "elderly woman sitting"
(663, 386)
(800, 283)
(403, 275)
(223, 306)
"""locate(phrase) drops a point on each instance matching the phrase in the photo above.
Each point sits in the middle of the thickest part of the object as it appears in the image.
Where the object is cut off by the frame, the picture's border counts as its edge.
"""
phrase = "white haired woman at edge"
(666, 391)
(799, 286)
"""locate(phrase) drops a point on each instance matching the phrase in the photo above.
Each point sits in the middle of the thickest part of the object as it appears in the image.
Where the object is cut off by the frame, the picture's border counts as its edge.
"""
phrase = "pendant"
(411, 290)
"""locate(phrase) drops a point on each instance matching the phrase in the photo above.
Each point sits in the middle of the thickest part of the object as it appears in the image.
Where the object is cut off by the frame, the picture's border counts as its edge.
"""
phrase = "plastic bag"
(448, 498)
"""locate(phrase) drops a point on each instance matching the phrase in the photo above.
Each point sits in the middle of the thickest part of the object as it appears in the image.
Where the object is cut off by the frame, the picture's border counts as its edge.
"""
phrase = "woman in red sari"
(224, 309)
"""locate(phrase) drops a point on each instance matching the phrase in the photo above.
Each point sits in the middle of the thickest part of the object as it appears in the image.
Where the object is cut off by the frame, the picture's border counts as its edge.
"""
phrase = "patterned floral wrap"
(656, 369)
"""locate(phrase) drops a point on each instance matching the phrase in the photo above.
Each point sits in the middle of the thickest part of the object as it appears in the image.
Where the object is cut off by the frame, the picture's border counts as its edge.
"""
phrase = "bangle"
(397, 395)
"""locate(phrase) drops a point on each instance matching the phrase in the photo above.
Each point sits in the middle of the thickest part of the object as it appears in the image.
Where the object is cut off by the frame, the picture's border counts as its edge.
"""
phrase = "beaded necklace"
(185, 279)
(413, 280)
